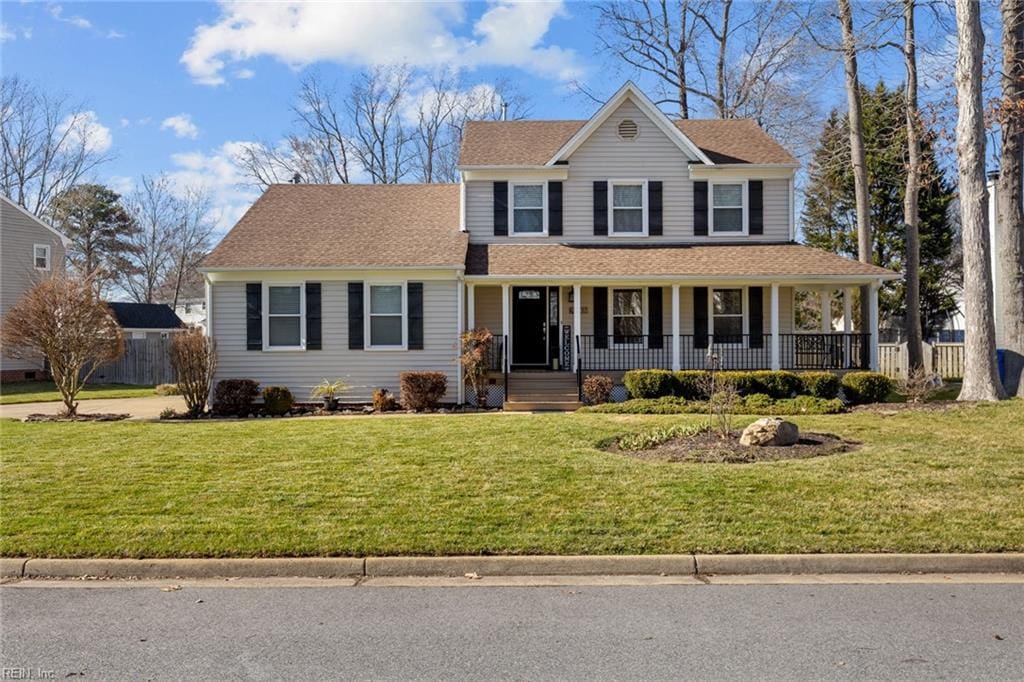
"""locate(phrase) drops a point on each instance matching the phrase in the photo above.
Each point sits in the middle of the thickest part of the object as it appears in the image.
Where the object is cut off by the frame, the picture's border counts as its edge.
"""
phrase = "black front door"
(529, 326)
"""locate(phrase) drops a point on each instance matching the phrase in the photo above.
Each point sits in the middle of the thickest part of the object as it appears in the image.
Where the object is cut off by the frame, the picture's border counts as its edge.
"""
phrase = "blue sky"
(172, 85)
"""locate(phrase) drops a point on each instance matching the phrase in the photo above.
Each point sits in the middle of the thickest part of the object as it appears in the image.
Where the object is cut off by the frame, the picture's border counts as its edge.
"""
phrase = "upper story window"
(41, 256)
(728, 208)
(527, 208)
(727, 315)
(386, 316)
(628, 210)
(285, 313)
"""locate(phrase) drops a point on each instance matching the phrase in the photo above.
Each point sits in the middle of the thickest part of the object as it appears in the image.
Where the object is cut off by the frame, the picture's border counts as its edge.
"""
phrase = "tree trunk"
(912, 318)
(721, 95)
(860, 169)
(1010, 246)
(981, 379)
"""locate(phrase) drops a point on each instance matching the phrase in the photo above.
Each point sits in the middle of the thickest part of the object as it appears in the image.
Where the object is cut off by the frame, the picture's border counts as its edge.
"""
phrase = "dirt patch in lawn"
(98, 417)
(709, 448)
(930, 406)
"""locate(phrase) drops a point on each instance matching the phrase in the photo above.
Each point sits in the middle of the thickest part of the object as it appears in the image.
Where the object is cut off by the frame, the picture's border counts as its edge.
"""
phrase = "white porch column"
(577, 322)
(825, 296)
(675, 328)
(459, 302)
(506, 314)
(776, 356)
(470, 306)
(873, 325)
(848, 310)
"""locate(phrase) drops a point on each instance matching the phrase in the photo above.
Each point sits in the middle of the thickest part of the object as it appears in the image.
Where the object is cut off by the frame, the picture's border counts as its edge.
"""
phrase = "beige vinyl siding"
(651, 156)
(488, 308)
(18, 234)
(363, 370)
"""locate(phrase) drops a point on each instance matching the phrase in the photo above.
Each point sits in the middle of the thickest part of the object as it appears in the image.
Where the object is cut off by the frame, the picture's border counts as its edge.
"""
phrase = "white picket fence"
(945, 359)
(146, 362)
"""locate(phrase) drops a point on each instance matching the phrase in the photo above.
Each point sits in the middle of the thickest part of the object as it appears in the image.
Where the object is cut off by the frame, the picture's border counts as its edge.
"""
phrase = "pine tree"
(829, 217)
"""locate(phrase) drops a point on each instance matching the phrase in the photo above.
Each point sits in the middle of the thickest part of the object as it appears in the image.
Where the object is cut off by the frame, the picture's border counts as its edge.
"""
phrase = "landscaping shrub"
(645, 440)
(597, 389)
(803, 404)
(235, 396)
(422, 390)
(648, 383)
(194, 356)
(689, 384)
(777, 384)
(820, 384)
(168, 413)
(277, 400)
(861, 388)
(384, 400)
(167, 389)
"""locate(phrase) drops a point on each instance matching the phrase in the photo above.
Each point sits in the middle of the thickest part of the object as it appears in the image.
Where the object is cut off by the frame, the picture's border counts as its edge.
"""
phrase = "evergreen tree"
(829, 219)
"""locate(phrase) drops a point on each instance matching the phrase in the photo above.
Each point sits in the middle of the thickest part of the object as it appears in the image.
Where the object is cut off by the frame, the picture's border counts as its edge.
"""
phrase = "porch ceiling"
(694, 261)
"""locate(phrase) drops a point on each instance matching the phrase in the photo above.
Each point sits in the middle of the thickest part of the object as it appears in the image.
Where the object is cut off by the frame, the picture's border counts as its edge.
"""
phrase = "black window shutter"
(654, 221)
(555, 208)
(355, 316)
(700, 317)
(254, 316)
(755, 296)
(314, 334)
(700, 207)
(755, 194)
(600, 317)
(655, 326)
(414, 308)
(501, 208)
(600, 207)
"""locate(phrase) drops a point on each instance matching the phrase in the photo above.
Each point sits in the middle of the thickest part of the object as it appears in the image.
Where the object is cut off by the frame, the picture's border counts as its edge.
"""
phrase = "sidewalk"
(140, 409)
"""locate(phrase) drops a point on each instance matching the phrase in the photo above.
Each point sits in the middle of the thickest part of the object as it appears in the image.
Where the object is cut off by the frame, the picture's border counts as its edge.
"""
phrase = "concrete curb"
(668, 564)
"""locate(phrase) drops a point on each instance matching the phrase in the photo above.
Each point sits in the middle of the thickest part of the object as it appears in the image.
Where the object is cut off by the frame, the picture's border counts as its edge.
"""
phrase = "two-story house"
(30, 250)
(629, 240)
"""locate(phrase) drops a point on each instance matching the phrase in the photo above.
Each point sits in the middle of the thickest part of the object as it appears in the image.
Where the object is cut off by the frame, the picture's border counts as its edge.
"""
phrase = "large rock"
(770, 431)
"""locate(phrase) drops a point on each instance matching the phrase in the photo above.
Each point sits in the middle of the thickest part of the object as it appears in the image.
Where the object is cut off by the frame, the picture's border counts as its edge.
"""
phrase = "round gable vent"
(628, 129)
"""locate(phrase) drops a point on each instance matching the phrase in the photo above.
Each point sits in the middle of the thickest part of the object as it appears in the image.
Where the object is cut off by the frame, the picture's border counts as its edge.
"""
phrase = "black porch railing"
(496, 354)
(838, 351)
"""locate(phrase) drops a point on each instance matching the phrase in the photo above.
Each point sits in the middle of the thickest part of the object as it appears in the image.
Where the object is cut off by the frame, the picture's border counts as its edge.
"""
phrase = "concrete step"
(542, 405)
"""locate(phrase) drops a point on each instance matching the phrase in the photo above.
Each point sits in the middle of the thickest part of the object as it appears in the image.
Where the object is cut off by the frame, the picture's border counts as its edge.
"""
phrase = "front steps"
(542, 391)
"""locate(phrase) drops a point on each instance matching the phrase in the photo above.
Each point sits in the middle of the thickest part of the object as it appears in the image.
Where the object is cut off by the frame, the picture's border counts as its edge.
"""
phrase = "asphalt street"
(787, 631)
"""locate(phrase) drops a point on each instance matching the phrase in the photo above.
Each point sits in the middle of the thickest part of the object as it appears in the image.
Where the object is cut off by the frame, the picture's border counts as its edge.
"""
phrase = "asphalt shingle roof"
(145, 316)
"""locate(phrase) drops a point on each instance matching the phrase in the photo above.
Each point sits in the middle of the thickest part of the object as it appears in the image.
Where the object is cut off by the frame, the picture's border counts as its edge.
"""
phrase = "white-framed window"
(627, 207)
(528, 208)
(729, 208)
(284, 319)
(626, 309)
(41, 256)
(727, 313)
(386, 316)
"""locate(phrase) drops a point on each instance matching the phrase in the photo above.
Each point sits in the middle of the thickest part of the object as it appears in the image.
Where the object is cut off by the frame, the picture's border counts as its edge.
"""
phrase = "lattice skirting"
(495, 395)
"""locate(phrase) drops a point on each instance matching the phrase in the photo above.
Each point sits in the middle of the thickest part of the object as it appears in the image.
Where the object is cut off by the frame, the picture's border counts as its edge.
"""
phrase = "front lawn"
(497, 483)
(44, 391)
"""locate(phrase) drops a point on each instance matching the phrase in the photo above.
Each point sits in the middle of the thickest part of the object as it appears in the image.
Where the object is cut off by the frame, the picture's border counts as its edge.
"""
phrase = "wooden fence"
(146, 362)
(945, 359)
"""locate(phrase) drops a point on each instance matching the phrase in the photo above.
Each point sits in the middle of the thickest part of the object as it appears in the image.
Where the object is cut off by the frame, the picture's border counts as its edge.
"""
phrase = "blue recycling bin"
(1001, 364)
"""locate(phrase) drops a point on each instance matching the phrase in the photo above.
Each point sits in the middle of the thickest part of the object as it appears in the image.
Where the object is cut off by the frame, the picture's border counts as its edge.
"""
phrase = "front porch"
(578, 328)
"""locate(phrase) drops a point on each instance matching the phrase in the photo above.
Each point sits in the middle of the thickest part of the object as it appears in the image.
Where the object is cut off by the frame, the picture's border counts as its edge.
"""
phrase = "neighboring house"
(146, 320)
(628, 240)
(30, 250)
(192, 312)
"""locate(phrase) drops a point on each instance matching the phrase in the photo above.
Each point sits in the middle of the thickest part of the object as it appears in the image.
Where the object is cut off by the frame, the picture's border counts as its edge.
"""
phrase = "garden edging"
(665, 564)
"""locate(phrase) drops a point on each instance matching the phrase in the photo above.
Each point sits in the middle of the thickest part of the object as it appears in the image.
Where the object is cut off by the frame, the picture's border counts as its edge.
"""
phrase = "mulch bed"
(98, 417)
(709, 448)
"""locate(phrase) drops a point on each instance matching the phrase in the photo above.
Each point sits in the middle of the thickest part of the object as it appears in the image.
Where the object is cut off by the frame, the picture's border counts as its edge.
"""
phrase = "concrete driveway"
(140, 409)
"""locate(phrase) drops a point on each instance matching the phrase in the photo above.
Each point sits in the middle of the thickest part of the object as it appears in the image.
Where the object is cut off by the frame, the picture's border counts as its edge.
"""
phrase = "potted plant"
(328, 391)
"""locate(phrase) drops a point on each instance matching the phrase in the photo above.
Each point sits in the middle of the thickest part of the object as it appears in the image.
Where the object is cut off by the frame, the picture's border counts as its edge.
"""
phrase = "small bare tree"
(722, 396)
(194, 357)
(475, 357)
(63, 319)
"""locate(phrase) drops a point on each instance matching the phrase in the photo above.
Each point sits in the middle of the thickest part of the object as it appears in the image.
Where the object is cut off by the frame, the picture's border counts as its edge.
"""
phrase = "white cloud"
(217, 173)
(86, 127)
(245, 74)
(114, 34)
(182, 126)
(57, 12)
(122, 184)
(421, 33)
(6, 33)
(124, 122)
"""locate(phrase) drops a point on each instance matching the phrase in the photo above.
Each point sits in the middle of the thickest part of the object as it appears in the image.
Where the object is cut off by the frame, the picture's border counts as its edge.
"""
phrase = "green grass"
(496, 483)
(44, 391)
